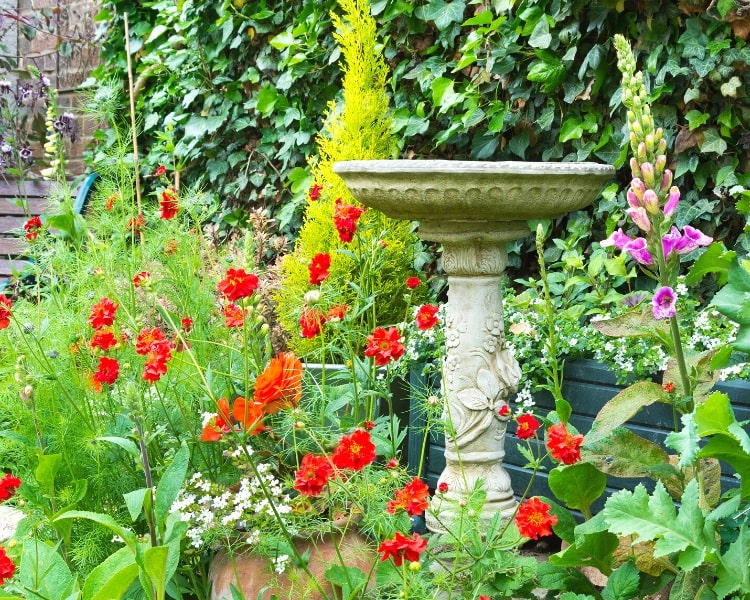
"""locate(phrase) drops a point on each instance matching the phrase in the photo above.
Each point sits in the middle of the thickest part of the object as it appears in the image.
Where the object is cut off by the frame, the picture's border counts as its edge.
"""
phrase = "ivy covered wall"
(244, 84)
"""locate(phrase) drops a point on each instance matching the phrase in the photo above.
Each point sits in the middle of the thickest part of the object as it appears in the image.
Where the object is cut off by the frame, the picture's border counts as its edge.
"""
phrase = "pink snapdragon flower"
(638, 249)
(663, 303)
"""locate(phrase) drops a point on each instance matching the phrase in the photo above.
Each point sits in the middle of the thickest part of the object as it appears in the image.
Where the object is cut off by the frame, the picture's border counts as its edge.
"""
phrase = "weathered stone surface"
(9, 518)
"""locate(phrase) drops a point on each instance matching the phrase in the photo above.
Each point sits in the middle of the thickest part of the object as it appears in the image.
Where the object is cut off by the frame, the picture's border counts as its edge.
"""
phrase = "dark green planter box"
(587, 385)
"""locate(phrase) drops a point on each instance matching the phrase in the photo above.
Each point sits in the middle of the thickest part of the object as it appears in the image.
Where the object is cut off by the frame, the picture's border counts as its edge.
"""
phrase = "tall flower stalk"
(652, 206)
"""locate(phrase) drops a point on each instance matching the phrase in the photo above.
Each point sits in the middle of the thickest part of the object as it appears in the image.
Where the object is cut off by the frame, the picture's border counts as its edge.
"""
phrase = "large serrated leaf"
(620, 409)
(733, 571)
(685, 441)
(655, 517)
(626, 454)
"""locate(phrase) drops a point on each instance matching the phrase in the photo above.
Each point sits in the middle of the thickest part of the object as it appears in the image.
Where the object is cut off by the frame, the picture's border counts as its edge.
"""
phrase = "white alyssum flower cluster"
(214, 511)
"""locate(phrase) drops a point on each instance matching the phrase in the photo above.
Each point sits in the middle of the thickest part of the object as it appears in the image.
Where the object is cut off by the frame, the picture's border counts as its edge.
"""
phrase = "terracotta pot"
(254, 575)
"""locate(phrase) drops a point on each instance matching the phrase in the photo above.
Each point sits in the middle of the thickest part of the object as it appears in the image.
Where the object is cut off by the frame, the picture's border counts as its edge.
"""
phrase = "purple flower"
(663, 303)
(618, 239)
(692, 239)
(640, 218)
(671, 241)
(638, 249)
(672, 201)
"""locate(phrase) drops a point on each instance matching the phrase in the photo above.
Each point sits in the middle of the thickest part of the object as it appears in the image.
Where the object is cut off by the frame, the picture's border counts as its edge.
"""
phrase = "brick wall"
(67, 56)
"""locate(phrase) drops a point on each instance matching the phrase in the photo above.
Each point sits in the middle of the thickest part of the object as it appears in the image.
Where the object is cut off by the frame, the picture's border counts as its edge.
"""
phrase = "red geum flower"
(142, 279)
(238, 284)
(107, 371)
(32, 227)
(413, 282)
(427, 316)
(311, 320)
(527, 426)
(345, 217)
(369, 425)
(103, 313)
(315, 192)
(504, 410)
(413, 498)
(109, 203)
(159, 354)
(668, 387)
(234, 316)
(313, 474)
(442, 487)
(354, 451)
(187, 324)
(385, 345)
(534, 520)
(7, 566)
(8, 486)
(402, 548)
(219, 424)
(168, 204)
(563, 445)
(319, 266)
(248, 414)
(103, 338)
(160, 170)
(146, 338)
(135, 223)
(6, 304)
(280, 384)
(337, 312)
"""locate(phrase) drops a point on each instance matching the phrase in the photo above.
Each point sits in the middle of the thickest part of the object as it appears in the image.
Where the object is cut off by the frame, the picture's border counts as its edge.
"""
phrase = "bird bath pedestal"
(473, 209)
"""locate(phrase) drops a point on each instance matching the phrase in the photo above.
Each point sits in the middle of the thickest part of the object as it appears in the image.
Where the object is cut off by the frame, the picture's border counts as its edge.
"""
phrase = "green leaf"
(198, 127)
(685, 441)
(733, 300)
(654, 518)
(572, 129)
(625, 454)
(443, 13)
(620, 409)
(633, 324)
(170, 483)
(124, 443)
(112, 578)
(724, 6)
(156, 32)
(715, 259)
(696, 118)
(443, 94)
(134, 502)
(350, 580)
(623, 583)
(540, 36)
(46, 471)
(44, 571)
(548, 69)
(595, 550)
(728, 449)
(712, 142)
(155, 568)
(577, 485)
(266, 101)
(733, 570)
(128, 536)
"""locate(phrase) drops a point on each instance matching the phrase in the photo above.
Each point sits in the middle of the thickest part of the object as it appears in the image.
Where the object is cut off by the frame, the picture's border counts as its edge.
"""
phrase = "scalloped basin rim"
(449, 191)
(459, 167)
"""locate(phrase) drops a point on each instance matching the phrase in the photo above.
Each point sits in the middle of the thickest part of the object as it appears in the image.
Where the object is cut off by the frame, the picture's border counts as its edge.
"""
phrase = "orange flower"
(248, 414)
(234, 316)
(219, 424)
(427, 316)
(103, 313)
(534, 520)
(563, 445)
(354, 451)
(313, 475)
(280, 384)
(527, 426)
(412, 498)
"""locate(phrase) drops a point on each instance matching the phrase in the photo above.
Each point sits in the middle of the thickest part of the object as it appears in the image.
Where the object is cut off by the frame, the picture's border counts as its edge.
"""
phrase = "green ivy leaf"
(713, 142)
(540, 36)
(572, 129)
(696, 118)
(443, 94)
(724, 6)
(547, 69)
(443, 13)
